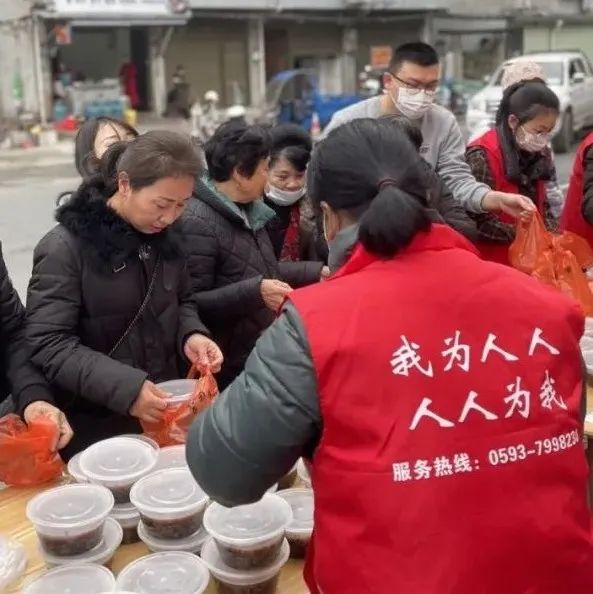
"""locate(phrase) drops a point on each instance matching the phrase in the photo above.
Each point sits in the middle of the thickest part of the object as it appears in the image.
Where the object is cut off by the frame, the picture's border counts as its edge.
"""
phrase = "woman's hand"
(150, 404)
(274, 293)
(515, 205)
(204, 352)
(56, 416)
(325, 273)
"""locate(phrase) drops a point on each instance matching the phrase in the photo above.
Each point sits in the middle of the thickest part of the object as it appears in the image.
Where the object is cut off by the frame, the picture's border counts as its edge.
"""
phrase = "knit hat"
(521, 70)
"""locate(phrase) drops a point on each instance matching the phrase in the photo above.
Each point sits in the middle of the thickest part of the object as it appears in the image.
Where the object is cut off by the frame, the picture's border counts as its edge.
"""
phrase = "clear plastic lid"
(73, 579)
(191, 544)
(238, 577)
(248, 524)
(172, 457)
(102, 553)
(74, 469)
(178, 390)
(303, 472)
(125, 512)
(302, 503)
(153, 444)
(588, 357)
(70, 506)
(169, 492)
(165, 573)
(119, 460)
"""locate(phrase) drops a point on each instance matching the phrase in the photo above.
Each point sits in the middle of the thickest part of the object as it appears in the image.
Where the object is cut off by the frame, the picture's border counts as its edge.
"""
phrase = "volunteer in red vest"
(439, 406)
(514, 157)
(577, 215)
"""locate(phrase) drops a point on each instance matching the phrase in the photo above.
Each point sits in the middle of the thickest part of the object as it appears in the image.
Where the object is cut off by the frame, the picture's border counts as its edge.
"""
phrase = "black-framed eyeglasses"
(416, 88)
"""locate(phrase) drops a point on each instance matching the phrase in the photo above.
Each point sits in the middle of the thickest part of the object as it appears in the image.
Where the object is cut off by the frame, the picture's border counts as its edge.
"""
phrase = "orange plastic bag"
(26, 456)
(556, 260)
(173, 427)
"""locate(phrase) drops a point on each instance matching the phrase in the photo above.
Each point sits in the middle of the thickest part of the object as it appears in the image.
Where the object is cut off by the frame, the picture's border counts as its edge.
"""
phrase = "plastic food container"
(588, 357)
(117, 463)
(298, 532)
(127, 516)
(287, 482)
(303, 473)
(74, 470)
(249, 536)
(588, 326)
(179, 390)
(170, 502)
(171, 457)
(73, 579)
(143, 438)
(69, 520)
(191, 544)
(254, 581)
(164, 573)
(100, 555)
(586, 343)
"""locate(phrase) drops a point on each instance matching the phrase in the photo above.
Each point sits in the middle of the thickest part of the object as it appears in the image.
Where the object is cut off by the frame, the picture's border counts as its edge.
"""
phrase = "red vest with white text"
(490, 143)
(451, 459)
(572, 215)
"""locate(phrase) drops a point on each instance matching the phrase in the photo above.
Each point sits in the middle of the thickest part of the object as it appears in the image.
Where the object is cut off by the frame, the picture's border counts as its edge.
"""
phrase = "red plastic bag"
(26, 456)
(556, 260)
(173, 427)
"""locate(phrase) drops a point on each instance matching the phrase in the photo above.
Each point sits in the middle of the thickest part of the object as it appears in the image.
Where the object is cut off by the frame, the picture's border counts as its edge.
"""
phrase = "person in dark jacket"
(293, 231)
(237, 281)
(110, 307)
(23, 389)
(440, 197)
(407, 397)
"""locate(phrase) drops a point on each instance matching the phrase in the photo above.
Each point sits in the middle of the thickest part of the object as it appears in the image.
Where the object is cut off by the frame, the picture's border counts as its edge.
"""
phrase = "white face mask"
(533, 143)
(411, 103)
(284, 197)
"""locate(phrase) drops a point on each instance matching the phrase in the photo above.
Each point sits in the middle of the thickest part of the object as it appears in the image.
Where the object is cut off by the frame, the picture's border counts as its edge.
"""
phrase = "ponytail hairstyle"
(373, 172)
(145, 160)
(525, 100)
(292, 143)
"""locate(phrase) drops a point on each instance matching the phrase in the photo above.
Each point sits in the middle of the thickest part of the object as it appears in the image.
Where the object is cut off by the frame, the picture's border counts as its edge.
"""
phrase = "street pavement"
(31, 180)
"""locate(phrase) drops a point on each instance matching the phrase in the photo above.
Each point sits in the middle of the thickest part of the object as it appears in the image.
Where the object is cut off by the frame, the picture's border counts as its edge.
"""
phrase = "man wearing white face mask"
(293, 232)
(410, 89)
(514, 157)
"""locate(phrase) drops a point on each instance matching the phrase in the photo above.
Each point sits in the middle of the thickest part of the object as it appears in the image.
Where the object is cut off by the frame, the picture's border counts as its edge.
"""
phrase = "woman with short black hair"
(110, 307)
(238, 282)
(293, 231)
(429, 389)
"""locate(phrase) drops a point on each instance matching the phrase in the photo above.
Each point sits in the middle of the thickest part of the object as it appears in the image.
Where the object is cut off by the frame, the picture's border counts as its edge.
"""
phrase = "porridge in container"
(102, 554)
(117, 463)
(165, 573)
(191, 544)
(127, 517)
(299, 531)
(69, 520)
(249, 536)
(73, 579)
(254, 581)
(170, 502)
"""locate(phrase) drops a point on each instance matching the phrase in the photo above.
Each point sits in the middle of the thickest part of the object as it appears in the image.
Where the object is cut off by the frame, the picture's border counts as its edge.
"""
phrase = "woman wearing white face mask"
(293, 231)
(514, 157)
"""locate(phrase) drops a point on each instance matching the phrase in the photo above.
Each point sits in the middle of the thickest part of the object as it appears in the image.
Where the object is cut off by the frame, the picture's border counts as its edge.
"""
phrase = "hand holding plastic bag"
(174, 425)
(557, 260)
(28, 454)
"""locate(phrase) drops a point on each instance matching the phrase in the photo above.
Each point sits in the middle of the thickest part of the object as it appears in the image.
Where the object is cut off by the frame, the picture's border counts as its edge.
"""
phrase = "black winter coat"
(17, 375)
(90, 276)
(228, 258)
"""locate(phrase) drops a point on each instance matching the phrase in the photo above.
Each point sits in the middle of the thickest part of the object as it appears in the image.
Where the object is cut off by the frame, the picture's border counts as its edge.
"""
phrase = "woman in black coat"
(238, 282)
(110, 306)
(293, 231)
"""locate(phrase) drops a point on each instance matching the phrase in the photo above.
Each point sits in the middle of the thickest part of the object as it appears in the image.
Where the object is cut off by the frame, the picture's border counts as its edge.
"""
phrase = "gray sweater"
(443, 148)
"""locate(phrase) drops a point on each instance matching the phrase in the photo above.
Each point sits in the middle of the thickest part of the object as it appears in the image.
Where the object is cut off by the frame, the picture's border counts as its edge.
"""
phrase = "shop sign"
(119, 7)
(381, 56)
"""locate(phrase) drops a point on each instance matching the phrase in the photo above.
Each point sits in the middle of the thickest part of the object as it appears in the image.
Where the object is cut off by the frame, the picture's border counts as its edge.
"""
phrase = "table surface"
(14, 523)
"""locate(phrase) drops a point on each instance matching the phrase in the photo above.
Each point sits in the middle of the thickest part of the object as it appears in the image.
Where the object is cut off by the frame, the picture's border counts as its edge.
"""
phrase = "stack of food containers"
(73, 525)
(299, 531)
(171, 506)
(247, 550)
(87, 579)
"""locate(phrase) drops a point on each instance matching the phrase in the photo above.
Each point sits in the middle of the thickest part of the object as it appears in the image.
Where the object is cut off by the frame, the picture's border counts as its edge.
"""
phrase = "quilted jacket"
(229, 254)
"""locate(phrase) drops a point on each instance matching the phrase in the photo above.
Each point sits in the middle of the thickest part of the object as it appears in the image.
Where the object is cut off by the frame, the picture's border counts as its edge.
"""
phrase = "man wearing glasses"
(410, 88)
